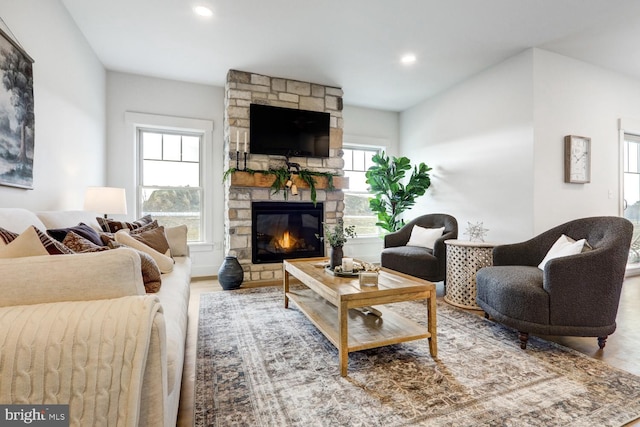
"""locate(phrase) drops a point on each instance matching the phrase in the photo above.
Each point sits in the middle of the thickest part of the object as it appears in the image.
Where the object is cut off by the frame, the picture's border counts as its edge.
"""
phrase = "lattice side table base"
(462, 264)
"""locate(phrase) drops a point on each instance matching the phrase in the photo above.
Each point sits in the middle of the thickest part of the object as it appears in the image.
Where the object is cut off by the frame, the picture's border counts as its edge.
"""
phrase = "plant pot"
(335, 257)
(230, 274)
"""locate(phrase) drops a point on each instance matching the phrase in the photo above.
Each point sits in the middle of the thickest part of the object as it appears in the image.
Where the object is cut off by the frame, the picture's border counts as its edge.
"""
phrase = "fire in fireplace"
(282, 230)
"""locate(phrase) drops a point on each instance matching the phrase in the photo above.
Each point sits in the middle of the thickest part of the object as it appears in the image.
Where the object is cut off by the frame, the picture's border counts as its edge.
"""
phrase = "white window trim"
(135, 121)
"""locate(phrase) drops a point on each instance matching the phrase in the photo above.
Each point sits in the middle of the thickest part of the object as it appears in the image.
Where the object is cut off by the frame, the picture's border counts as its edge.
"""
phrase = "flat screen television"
(288, 132)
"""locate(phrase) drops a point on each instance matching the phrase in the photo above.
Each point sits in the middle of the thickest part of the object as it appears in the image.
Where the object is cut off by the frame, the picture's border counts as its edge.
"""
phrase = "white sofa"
(80, 330)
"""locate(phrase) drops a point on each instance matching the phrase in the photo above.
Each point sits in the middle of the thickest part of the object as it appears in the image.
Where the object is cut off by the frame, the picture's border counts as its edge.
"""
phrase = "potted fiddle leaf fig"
(392, 196)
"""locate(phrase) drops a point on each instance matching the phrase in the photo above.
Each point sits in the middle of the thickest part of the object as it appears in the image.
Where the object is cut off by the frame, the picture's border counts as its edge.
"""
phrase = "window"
(631, 190)
(357, 160)
(170, 178)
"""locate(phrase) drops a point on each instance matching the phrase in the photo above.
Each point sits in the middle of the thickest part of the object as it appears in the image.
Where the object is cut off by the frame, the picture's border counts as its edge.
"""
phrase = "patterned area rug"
(259, 364)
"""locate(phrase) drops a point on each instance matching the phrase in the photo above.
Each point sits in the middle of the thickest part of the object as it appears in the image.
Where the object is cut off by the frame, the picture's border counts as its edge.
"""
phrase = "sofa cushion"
(512, 290)
(17, 220)
(174, 297)
(62, 219)
(81, 229)
(23, 245)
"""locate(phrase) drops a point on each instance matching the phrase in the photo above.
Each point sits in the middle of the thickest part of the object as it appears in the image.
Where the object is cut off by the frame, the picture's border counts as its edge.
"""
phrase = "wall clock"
(577, 159)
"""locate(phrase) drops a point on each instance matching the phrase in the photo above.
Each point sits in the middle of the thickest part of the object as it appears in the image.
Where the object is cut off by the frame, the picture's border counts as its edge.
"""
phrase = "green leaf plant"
(391, 196)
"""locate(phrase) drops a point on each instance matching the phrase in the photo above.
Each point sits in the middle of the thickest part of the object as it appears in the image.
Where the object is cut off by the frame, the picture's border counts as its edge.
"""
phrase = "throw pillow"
(79, 244)
(177, 238)
(81, 229)
(564, 246)
(51, 245)
(164, 262)
(424, 237)
(151, 275)
(24, 245)
(153, 238)
(112, 226)
(6, 236)
(151, 226)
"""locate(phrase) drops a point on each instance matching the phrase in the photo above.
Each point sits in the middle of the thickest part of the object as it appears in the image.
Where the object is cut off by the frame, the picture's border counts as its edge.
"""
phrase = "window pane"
(171, 147)
(152, 146)
(357, 182)
(348, 159)
(174, 174)
(358, 160)
(368, 159)
(175, 206)
(190, 149)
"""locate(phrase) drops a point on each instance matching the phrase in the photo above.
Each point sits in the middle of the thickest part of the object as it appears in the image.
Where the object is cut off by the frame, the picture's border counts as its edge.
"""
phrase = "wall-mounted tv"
(288, 132)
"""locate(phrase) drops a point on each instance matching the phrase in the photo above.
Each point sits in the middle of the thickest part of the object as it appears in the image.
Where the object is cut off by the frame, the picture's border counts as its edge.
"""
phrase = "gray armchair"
(417, 261)
(576, 295)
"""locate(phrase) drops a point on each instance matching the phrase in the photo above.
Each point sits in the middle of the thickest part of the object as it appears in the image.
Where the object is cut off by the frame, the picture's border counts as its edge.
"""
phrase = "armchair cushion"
(424, 237)
(564, 246)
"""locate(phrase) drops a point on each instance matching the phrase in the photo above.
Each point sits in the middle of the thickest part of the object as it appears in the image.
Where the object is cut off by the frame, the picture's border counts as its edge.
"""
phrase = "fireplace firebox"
(283, 230)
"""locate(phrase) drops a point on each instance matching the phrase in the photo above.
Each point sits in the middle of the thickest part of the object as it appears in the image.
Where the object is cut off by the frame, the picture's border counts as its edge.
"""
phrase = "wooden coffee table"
(327, 300)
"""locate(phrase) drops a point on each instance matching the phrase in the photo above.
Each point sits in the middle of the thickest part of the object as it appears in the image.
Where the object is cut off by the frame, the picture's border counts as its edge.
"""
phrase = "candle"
(237, 140)
(347, 265)
(245, 142)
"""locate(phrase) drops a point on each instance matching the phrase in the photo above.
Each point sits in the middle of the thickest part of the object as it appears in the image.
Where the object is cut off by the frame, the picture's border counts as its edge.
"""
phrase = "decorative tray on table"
(341, 273)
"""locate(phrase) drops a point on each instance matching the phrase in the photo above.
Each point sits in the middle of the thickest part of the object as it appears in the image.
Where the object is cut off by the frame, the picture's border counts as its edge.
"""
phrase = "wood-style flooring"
(622, 350)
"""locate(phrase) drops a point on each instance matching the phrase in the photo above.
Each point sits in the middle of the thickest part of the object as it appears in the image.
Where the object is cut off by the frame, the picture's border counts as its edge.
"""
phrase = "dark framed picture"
(577, 159)
(16, 114)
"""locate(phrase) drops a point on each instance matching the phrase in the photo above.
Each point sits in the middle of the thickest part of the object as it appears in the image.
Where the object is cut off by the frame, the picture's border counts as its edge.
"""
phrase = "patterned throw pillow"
(52, 246)
(81, 229)
(150, 273)
(111, 226)
(79, 244)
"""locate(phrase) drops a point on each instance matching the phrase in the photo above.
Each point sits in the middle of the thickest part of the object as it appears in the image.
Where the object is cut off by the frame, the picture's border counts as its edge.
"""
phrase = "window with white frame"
(170, 178)
(357, 159)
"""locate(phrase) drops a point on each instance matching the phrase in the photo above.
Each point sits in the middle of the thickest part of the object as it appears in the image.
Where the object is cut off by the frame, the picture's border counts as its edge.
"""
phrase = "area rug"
(259, 364)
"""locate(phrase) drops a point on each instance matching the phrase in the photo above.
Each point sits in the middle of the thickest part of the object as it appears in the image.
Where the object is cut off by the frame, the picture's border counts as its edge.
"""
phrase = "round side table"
(464, 259)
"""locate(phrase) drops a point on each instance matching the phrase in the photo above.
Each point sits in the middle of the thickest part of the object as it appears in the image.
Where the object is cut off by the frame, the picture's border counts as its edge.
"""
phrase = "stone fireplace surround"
(242, 89)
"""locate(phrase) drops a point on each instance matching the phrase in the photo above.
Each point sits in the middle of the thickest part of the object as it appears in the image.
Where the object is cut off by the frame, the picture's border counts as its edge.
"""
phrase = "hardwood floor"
(621, 351)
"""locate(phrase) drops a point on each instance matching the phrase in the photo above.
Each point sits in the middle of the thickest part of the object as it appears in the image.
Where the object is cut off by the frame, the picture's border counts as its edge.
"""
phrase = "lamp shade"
(106, 200)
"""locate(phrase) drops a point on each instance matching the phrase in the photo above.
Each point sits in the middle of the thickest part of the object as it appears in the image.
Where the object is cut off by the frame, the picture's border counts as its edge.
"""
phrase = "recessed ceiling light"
(203, 11)
(408, 59)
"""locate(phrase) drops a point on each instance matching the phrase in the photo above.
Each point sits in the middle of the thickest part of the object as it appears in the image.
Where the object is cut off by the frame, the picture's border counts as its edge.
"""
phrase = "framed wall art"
(16, 114)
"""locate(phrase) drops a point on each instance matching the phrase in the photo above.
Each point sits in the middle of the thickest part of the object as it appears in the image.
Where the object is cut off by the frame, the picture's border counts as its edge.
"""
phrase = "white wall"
(370, 127)
(576, 98)
(69, 99)
(478, 138)
(139, 94)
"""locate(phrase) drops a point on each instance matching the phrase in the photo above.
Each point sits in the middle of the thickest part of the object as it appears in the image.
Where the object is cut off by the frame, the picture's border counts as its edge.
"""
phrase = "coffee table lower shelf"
(364, 330)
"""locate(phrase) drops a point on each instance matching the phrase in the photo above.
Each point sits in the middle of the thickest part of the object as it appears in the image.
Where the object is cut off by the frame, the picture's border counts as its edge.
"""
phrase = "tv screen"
(288, 132)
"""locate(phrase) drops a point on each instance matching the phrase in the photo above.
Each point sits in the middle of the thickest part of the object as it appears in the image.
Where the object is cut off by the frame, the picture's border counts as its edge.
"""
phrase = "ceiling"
(354, 44)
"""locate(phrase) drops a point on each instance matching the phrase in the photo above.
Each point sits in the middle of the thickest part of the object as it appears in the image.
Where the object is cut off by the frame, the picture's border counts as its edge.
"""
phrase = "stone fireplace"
(244, 190)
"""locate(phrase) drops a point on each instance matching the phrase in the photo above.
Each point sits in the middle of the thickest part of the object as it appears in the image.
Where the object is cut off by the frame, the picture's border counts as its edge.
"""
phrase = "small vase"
(230, 274)
(335, 257)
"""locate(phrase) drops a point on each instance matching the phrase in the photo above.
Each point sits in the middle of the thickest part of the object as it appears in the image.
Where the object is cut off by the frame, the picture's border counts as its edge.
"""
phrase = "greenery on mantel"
(283, 179)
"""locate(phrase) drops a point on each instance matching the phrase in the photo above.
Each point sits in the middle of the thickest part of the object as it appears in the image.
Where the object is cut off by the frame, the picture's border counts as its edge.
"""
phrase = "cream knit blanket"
(91, 355)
